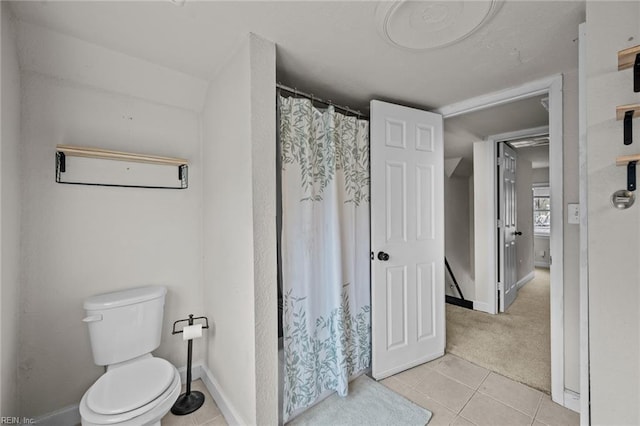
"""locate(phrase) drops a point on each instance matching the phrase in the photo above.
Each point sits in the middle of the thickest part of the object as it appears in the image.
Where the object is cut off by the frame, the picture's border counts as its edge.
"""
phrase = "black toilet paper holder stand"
(189, 401)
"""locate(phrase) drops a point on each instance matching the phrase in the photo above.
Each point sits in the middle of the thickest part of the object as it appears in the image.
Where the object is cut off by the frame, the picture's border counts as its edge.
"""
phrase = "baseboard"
(229, 412)
(65, 416)
(482, 307)
(71, 415)
(539, 264)
(572, 400)
(196, 373)
(531, 275)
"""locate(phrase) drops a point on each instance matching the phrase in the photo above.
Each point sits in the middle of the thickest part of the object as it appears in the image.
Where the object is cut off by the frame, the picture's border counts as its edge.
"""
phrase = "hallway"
(515, 344)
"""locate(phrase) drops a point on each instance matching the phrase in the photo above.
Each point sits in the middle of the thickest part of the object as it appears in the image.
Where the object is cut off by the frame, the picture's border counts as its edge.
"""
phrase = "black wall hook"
(628, 127)
(636, 74)
(631, 176)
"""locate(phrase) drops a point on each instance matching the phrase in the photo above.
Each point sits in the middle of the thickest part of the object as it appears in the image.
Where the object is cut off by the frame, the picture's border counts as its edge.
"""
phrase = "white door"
(507, 222)
(407, 238)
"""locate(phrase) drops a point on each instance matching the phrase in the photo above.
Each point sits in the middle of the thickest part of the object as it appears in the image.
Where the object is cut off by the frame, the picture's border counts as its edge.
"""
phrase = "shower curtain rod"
(314, 98)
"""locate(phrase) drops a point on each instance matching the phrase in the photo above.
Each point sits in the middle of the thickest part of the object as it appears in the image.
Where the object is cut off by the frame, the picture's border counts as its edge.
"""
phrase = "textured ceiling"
(333, 49)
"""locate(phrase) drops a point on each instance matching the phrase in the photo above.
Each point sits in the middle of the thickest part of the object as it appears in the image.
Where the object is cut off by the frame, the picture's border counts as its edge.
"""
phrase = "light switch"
(573, 213)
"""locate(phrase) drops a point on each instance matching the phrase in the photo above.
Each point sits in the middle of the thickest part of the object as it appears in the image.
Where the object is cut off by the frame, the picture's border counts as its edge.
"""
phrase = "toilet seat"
(130, 387)
(148, 413)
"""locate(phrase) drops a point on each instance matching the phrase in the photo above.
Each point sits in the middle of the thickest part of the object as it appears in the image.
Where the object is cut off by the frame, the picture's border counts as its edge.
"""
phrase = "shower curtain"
(325, 251)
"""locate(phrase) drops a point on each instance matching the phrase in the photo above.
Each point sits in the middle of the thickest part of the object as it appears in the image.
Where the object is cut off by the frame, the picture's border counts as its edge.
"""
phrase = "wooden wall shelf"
(136, 170)
(622, 109)
(77, 151)
(627, 57)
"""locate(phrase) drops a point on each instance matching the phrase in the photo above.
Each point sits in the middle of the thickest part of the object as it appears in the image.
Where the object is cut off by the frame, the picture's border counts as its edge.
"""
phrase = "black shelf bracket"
(636, 74)
(631, 176)
(628, 127)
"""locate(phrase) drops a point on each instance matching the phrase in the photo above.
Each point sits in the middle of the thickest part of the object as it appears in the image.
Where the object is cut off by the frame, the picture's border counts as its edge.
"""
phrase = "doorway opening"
(509, 112)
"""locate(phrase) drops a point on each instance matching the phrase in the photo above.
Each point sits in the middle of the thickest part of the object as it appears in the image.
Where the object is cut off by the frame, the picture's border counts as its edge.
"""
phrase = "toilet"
(137, 388)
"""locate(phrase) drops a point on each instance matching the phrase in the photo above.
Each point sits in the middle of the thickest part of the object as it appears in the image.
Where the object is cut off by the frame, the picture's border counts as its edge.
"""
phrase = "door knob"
(383, 256)
(517, 233)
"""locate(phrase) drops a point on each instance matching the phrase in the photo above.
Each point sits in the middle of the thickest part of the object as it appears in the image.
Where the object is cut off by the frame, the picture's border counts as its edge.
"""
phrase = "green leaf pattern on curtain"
(315, 363)
(324, 143)
(325, 243)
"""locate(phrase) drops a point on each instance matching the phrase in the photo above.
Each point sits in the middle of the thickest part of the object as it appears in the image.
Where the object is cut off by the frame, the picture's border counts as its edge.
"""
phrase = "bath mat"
(368, 403)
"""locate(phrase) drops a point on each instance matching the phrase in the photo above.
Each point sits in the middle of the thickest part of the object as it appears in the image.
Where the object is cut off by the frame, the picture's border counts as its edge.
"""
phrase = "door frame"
(495, 140)
(553, 87)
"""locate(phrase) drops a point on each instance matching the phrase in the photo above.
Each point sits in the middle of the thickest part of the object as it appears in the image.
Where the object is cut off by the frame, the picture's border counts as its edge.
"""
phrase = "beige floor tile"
(441, 414)
(448, 392)
(483, 410)
(218, 421)
(461, 421)
(209, 409)
(171, 420)
(396, 385)
(462, 370)
(512, 393)
(413, 376)
(552, 414)
(207, 413)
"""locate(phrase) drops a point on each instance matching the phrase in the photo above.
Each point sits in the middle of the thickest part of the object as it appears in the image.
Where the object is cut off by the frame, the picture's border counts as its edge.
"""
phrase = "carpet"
(515, 344)
(368, 403)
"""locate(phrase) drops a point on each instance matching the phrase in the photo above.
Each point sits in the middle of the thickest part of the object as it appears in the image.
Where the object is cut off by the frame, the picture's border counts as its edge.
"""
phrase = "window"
(541, 210)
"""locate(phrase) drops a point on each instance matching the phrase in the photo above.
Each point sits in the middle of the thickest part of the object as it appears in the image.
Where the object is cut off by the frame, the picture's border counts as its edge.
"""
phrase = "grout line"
(467, 403)
(513, 408)
(535, 417)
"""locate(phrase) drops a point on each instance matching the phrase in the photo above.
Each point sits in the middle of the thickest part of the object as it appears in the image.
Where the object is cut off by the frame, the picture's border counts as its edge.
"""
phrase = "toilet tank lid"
(124, 297)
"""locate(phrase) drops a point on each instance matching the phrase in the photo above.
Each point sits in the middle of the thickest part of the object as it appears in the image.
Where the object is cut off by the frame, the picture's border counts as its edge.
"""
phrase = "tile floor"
(458, 392)
(209, 414)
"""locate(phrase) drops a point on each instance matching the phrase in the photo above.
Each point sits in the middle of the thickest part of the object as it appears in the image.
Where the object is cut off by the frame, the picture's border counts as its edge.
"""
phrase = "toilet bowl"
(137, 388)
(139, 393)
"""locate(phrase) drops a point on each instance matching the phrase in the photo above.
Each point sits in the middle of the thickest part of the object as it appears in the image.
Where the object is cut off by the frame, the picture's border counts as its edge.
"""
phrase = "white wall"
(457, 235)
(81, 240)
(238, 125)
(524, 242)
(571, 234)
(10, 199)
(540, 175)
(484, 154)
(614, 243)
(541, 251)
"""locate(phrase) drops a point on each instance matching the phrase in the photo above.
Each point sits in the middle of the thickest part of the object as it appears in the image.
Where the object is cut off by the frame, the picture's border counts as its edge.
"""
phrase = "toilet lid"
(130, 386)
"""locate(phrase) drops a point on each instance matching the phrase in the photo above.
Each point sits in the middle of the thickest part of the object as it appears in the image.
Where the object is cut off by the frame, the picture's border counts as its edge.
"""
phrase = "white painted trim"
(196, 373)
(556, 185)
(229, 412)
(553, 86)
(572, 400)
(527, 90)
(531, 275)
(518, 134)
(484, 225)
(585, 414)
(482, 307)
(65, 416)
(541, 264)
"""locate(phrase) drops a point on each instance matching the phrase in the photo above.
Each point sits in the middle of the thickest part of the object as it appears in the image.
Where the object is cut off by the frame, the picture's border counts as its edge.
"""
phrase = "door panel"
(407, 224)
(507, 225)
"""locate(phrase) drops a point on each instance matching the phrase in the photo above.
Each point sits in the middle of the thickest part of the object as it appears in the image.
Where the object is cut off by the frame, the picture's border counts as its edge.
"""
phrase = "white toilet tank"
(125, 324)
